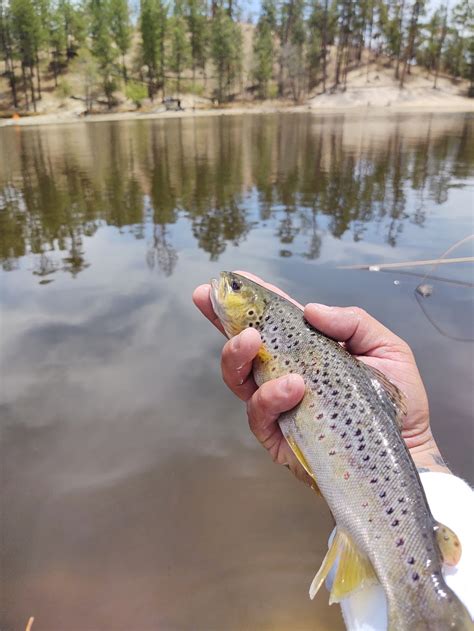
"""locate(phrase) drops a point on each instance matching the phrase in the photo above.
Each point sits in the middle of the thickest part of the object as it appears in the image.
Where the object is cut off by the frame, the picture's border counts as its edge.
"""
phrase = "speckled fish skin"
(347, 430)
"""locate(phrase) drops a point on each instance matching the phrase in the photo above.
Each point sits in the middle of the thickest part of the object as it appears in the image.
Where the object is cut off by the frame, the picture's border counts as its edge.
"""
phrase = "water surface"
(134, 496)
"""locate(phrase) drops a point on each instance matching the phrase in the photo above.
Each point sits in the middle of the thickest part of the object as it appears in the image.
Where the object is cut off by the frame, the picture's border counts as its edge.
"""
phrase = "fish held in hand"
(346, 434)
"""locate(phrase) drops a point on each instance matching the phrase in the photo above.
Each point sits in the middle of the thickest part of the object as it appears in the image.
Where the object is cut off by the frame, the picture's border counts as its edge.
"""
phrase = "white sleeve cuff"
(451, 501)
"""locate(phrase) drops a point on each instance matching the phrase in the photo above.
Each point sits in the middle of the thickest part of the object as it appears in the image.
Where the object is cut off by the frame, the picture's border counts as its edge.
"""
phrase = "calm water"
(134, 496)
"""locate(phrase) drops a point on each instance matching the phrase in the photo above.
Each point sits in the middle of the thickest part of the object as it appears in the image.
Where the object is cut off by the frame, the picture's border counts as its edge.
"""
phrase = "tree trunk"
(411, 39)
(38, 74)
(400, 45)
(325, 42)
(369, 47)
(55, 67)
(124, 69)
(32, 88)
(444, 30)
(25, 86)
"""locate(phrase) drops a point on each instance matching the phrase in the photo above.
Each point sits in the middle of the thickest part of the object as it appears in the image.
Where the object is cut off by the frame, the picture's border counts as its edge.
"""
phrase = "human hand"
(364, 337)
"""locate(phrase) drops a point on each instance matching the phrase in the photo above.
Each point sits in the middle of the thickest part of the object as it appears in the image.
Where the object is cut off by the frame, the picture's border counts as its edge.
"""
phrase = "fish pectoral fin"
(389, 394)
(448, 543)
(303, 462)
(354, 571)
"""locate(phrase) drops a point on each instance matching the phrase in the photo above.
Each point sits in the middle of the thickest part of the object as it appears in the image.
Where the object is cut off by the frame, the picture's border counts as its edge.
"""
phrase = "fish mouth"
(215, 297)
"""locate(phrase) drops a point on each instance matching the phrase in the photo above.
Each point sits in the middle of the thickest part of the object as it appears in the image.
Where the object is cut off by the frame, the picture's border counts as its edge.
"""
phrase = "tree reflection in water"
(226, 177)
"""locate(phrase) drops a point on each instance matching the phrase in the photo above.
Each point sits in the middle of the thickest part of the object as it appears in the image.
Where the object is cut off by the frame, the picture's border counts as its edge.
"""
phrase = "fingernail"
(319, 306)
(236, 342)
(288, 384)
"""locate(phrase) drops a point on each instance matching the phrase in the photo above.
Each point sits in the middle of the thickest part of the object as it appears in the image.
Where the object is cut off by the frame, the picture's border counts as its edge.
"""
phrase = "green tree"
(180, 50)
(226, 50)
(195, 12)
(263, 47)
(121, 29)
(153, 22)
(413, 33)
(26, 34)
(7, 49)
(102, 48)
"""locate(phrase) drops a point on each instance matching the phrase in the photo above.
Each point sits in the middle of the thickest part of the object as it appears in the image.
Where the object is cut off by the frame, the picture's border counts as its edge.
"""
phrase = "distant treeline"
(298, 45)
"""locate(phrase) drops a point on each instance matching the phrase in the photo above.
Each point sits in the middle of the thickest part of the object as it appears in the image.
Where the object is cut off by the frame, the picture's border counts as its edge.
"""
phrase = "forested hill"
(93, 51)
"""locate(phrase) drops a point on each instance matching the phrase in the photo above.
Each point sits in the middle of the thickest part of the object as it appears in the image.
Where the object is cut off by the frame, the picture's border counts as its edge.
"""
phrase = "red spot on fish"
(347, 475)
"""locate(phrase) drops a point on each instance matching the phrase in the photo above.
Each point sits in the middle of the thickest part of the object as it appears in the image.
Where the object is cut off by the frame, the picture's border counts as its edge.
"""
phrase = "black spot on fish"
(250, 323)
(389, 510)
(348, 395)
(366, 457)
(333, 426)
(348, 446)
(387, 478)
(411, 561)
(287, 362)
(332, 453)
(400, 542)
(334, 392)
(353, 406)
(374, 481)
(383, 453)
(319, 391)
(382, 494)
(401, 499)
(404, 511)
(395, 522)
(348, 422)
(415, 576)
(334, 415)
(361, 448)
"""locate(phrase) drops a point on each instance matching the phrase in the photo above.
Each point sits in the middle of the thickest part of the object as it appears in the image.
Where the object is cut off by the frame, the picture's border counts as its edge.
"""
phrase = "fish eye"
(235, 285)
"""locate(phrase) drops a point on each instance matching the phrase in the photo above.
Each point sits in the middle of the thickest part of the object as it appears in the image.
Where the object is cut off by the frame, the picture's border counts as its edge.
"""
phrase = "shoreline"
(357, 110)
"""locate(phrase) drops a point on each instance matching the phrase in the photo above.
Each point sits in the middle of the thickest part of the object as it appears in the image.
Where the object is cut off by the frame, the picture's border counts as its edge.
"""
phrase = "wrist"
(428, 458)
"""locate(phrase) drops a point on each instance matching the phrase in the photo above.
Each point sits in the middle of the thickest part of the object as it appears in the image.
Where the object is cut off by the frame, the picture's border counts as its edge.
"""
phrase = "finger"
(269, 401)
(269, 286)
(237, 357)
(362, 333)
(202, 300)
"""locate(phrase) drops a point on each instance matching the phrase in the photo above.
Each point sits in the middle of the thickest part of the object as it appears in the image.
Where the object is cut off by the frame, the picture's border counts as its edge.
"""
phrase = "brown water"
(133, 496)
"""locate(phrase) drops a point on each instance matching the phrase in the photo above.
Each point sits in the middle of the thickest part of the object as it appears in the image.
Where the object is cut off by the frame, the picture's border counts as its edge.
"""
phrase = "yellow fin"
(354, 571)
(263, 354)
(326, 566)
(303, 462)
(448, 543)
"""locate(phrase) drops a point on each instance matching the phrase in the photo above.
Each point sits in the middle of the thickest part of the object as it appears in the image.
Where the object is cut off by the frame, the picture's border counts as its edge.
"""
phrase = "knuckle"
(359, 312)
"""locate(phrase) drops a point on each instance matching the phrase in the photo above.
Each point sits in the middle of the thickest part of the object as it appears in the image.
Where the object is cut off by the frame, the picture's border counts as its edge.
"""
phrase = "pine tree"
(263, 47)
(153, 29)
(121, 29)
(226, 50)
(102, 48)
(26, 33)
(180, 50)
(195, 12)
(6, 49)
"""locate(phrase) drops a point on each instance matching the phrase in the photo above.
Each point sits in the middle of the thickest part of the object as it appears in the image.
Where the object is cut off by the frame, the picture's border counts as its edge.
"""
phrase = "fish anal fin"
(448, 543)
(388, 393)
(303, 462)
(354, 571)
(326, 565)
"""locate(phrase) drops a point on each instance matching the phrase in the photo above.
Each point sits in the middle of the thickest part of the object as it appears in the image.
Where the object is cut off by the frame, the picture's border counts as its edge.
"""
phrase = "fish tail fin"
(449, 615)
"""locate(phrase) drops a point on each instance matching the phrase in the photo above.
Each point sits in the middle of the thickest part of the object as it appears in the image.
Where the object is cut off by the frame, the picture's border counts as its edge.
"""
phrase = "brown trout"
(346, 434)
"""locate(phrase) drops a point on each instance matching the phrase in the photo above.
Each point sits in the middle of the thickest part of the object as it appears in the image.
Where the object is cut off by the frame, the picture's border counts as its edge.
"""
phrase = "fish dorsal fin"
(448, 543)
(303, 462)
(388, 393)
(354, 570)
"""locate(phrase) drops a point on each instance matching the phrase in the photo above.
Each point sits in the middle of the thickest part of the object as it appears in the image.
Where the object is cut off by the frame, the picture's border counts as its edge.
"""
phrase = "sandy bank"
(327, 105)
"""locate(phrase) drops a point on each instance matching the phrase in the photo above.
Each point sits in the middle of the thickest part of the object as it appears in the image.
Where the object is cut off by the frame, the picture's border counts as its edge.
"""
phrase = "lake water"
(133, 495)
